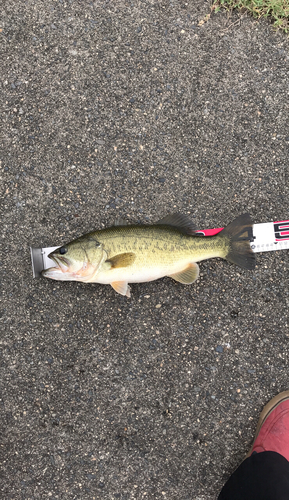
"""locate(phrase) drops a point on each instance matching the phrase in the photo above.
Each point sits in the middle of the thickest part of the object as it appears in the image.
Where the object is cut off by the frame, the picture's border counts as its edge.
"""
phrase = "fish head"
(76, 261)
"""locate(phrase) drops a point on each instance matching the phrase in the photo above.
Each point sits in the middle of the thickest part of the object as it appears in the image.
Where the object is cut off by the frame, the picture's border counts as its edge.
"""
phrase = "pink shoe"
(273, 427)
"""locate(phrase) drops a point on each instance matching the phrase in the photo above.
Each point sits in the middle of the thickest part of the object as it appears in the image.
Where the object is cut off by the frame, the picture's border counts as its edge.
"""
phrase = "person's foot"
(273, 427)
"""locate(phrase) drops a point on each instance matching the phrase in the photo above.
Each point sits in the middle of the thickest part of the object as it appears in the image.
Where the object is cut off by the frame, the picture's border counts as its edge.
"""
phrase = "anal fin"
(121, 287)
(188, 275)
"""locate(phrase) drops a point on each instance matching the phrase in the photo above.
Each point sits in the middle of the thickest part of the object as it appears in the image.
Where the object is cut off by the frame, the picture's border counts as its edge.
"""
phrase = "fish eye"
(63, 250)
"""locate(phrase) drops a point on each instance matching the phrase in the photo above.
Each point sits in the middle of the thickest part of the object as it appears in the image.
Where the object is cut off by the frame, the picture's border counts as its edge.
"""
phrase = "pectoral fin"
(122, 260)
(188, 275)
(121, 287)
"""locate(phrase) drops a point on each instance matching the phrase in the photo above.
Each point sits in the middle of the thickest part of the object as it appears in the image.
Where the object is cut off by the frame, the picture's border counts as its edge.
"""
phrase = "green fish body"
(125, 254)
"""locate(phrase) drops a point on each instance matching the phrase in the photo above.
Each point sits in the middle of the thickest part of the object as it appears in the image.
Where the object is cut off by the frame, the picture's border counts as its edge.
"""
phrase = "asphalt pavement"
(137, 109)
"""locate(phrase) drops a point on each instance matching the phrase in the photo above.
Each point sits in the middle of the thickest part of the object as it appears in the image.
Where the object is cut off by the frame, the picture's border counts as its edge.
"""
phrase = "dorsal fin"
(120, 222)
(179, 221)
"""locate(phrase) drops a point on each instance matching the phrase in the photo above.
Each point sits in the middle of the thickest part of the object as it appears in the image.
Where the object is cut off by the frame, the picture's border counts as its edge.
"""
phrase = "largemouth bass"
(125, 254)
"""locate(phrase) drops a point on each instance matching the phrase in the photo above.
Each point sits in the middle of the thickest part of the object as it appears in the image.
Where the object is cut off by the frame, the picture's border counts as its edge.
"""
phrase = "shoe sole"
(283, 396)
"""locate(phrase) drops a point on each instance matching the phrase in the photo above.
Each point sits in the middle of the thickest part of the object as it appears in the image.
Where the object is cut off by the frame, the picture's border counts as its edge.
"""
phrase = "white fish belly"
(133, 274)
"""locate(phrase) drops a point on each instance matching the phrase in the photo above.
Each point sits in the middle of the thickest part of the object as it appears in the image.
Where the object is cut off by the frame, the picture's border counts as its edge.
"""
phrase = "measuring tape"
(265, 237)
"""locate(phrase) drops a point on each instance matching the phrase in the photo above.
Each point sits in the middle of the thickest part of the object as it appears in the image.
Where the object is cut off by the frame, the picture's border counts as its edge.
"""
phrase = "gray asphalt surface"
(133, 110)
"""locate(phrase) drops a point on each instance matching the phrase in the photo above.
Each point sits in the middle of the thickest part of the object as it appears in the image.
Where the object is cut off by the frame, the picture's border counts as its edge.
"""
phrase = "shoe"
(272, 432)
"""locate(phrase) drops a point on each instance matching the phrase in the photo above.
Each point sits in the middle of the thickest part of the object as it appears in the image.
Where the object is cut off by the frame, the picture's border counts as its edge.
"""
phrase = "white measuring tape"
(265, 237)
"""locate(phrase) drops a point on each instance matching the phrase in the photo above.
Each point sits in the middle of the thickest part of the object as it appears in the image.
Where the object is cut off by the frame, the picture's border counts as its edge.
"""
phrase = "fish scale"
(265, 238)
(124, 254)
(157, 238)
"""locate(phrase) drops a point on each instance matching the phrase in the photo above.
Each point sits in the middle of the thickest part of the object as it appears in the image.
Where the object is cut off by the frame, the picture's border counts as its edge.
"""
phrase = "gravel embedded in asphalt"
(134, 110)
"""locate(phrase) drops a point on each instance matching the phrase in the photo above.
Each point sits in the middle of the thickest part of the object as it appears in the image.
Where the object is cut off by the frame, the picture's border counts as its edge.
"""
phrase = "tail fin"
(239, 233)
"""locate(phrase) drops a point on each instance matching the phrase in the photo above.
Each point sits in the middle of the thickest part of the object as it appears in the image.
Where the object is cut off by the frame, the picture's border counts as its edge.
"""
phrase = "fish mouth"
(62, 264)
(61, 269)
(56, 274)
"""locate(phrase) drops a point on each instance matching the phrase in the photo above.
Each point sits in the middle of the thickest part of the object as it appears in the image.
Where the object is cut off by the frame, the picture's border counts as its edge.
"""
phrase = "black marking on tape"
(279, 228)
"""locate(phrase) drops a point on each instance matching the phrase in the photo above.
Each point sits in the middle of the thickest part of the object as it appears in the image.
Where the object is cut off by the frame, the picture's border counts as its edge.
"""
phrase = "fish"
(137, 253)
